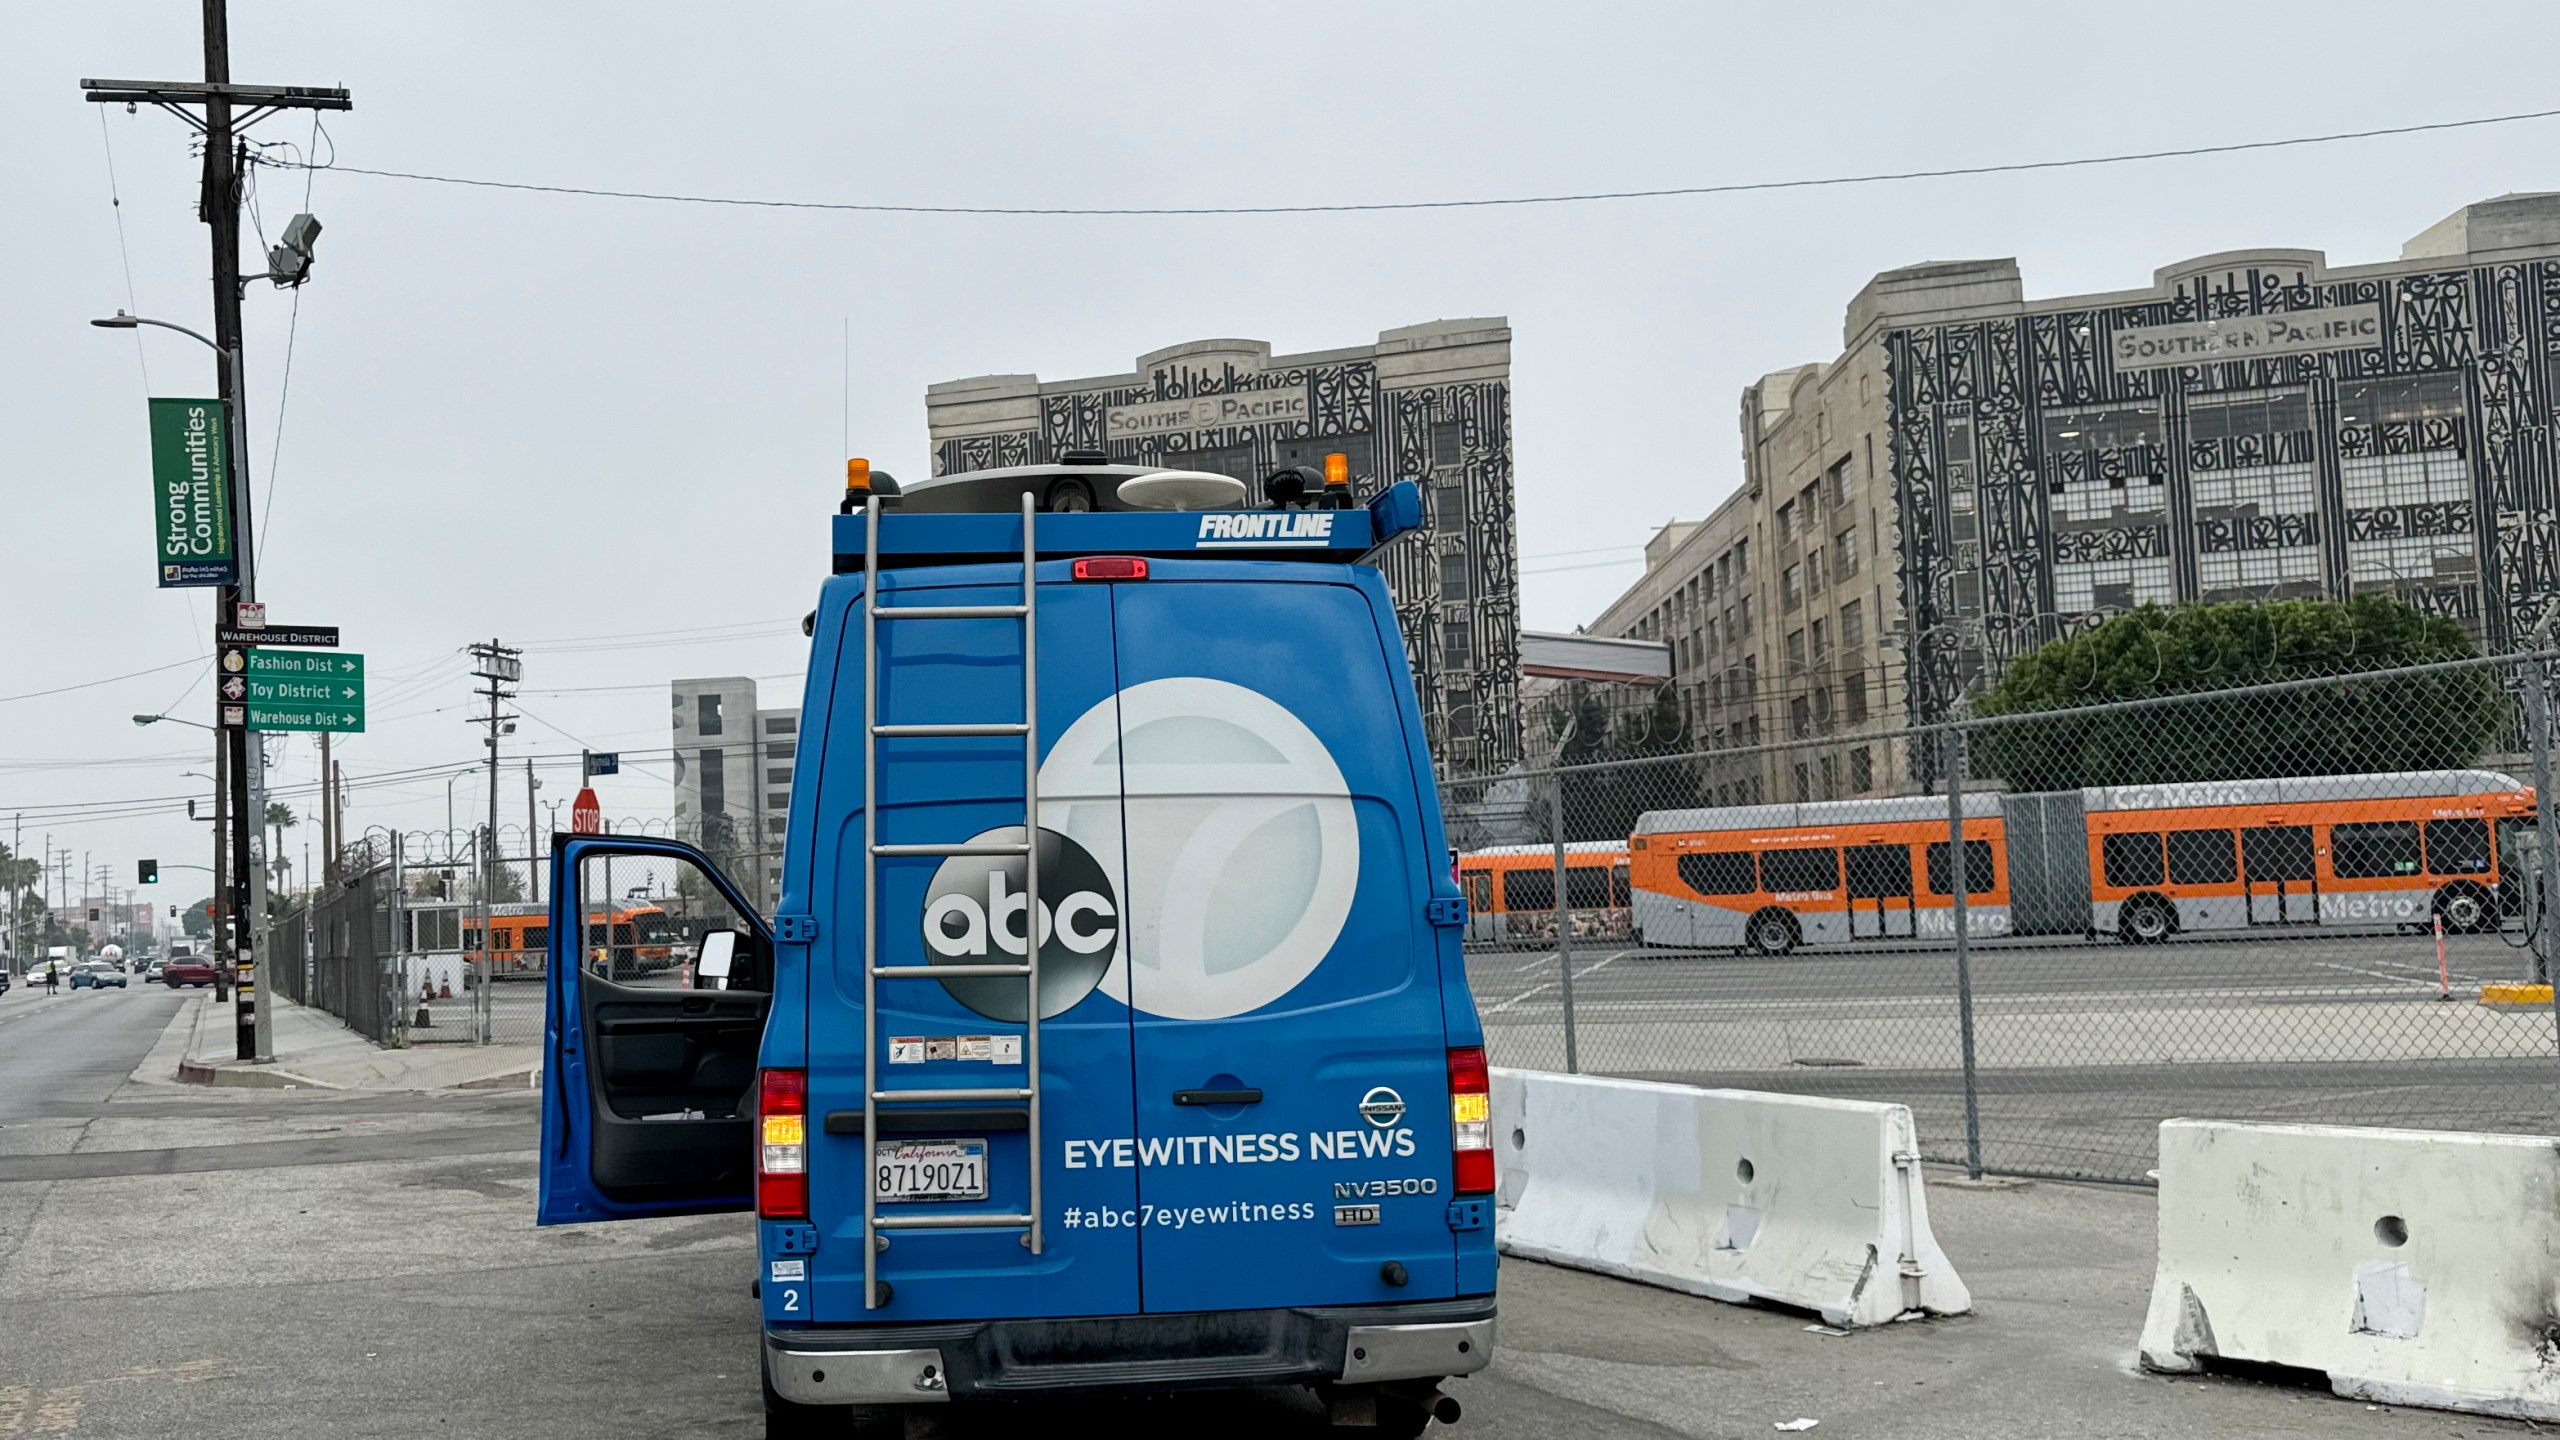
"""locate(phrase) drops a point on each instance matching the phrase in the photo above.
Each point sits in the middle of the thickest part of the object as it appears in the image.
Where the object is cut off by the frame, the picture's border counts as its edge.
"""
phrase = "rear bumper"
(924, 1364)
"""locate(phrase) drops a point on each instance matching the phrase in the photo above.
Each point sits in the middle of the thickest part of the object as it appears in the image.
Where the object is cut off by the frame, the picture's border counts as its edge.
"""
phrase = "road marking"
(59, 1412)
(1550, 984)
(13, 1407)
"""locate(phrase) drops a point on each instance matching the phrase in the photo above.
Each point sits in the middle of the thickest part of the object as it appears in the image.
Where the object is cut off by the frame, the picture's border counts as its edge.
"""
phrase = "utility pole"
(239, 881)
(532, 842)
(501, 668)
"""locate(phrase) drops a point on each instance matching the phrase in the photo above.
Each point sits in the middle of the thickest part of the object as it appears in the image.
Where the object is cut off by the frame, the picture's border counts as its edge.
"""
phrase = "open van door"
(658, 981)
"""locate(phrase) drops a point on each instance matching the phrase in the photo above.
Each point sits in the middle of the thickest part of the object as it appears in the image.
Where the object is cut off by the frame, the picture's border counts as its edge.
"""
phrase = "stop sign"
(585, 816)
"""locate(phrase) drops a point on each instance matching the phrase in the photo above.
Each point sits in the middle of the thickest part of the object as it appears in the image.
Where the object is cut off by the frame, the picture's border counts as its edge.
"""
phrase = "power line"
(93, 684)
(1482, 202)
(115, 201)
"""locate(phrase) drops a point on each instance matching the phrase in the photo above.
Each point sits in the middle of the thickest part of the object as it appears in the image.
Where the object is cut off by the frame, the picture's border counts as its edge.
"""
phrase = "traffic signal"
(147, 871)
(93, 912)
(173, 912)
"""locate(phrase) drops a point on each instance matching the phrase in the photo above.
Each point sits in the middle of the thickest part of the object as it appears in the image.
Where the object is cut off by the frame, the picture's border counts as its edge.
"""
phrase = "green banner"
(191, 492)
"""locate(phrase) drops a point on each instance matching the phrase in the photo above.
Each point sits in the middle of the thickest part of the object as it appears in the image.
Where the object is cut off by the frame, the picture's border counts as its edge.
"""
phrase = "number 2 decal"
(790, 1301)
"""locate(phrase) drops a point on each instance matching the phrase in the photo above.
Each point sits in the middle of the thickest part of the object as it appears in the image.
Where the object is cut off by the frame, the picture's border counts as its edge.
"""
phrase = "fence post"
(1564, 923)
(2537, 723)
(1960, 886)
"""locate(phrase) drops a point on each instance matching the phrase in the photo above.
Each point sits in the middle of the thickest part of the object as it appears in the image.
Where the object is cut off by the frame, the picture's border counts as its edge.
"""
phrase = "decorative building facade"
(1430, 403)
(2256, 425)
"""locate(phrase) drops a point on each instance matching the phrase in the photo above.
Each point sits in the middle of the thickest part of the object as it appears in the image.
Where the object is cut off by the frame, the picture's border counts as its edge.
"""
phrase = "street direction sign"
(301, 665)
(277, 635)
(295, 694)
(306, 721)
(604, 762)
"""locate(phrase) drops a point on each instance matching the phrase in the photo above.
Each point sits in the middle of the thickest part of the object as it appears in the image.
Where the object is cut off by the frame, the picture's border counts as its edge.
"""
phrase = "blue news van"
(1240, 1139)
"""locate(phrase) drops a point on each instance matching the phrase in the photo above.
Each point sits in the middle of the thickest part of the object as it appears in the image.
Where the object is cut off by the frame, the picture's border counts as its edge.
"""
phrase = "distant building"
(1430, 403)
(1976, 474)
(733, 768)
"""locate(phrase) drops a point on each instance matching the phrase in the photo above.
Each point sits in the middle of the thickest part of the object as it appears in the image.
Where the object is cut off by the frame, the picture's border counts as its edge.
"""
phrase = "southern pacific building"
(1430, 403)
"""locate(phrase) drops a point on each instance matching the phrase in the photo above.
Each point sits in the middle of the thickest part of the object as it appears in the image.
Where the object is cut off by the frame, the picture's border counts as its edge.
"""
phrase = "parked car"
(152, 971)
(186, 972)
(97, 975)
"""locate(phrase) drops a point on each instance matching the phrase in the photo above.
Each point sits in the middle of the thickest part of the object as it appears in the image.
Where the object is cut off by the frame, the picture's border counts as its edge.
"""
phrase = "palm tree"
(280, 818)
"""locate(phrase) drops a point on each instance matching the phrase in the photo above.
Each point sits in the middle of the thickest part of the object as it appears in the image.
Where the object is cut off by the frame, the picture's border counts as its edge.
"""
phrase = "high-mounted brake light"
(782, 1144)
(1471, 1121)
(1111, 567)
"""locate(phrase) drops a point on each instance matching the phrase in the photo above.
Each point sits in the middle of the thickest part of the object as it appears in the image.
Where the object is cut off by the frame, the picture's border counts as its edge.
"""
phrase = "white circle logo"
(1243, 851)
(1382, 1107)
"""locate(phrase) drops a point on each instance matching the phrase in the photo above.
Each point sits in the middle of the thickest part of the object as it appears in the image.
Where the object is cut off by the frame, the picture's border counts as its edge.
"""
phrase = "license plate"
(929, 1170)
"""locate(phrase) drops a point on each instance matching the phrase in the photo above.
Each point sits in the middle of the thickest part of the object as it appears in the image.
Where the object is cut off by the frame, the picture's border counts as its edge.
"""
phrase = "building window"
(715, 779)
(1456, 648)
(1844, 482)
(1454, 578)
(1235, 461)
(1853, 625)
(1799, 718)
(1853, 696)
(706, 714)
(1448, 444)
(2386, 402)
(1804, 784)
(781, 724)
(2086, 430)
(777, 775)
(1830, 778)
(1791, 586)
(1821, 641)
(1862, 771)
(1787, 523)
(2256, 415)
(1795, 648)
(1813, 571)
(781, 750)
(1844, 553)
(1449, 505)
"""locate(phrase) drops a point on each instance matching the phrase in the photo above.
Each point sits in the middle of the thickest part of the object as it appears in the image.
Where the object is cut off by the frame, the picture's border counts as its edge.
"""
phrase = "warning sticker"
(1008, 1050)
(941, 1047)
(977, 1047)
(906, 1049)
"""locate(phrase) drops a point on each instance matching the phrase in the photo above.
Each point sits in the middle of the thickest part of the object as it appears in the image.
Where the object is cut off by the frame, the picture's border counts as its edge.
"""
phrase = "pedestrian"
(52, 978)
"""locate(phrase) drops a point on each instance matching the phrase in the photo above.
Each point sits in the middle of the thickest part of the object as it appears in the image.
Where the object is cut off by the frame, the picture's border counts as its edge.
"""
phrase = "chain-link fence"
(2321, 900)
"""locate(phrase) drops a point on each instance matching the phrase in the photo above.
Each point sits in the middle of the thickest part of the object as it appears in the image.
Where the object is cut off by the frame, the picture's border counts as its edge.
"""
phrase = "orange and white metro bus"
(2139, 862)
(1511, 891)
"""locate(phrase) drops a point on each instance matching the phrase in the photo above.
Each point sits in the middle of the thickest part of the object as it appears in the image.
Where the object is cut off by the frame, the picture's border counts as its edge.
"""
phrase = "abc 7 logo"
(974, 914)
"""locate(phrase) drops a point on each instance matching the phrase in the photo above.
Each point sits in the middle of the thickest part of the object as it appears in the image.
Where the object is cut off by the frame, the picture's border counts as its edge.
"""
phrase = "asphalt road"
(293, 1265)
(2081, 1049)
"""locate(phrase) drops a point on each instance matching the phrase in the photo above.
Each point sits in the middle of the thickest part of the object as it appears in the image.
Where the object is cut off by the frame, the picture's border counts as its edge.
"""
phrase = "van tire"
(1772, 933)
(2146, 920)
(2466, 909)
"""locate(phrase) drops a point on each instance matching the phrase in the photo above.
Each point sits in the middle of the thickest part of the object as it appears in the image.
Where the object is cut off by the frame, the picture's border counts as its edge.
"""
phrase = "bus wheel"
(2146, 921)
(1070, 497)
(1773, 932)
(2465, 909)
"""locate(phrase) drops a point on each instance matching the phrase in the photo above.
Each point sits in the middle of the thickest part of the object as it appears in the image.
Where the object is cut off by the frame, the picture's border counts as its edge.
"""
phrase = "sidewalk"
(314, 1049)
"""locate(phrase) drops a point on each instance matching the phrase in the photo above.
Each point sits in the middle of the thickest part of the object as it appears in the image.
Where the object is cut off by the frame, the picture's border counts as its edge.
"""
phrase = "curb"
(2516, 997)
(200, 1072)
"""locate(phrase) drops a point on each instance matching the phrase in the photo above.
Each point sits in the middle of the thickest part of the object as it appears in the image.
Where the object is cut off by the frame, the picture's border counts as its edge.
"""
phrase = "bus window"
(2277, 852)
(1879, 872)
(1797, 871)
(537, 937)
(2133, 859)
(1480, 892)
(1529, 890)
(1977, 868)
(1619, 890)
(2201, 857)
(1720, 873)
(2375, 850)
(2458, 847)
(1586, 887)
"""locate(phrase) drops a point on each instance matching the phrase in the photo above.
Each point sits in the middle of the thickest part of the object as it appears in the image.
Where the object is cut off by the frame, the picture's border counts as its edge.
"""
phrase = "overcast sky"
(551, 419)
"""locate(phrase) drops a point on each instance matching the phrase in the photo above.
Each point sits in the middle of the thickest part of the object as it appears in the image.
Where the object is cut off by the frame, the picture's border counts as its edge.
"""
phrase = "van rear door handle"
(1217, 1097)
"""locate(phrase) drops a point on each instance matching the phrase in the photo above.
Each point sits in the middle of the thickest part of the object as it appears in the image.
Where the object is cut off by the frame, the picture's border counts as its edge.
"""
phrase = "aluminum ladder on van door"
(874, 1224)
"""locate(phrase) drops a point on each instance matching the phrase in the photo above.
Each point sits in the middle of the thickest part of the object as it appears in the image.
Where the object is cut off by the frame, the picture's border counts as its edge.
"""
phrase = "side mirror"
(711, 968)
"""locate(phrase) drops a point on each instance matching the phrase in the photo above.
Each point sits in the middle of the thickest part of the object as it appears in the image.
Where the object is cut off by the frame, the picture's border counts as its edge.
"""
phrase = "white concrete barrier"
(1736, 1195)
(2416, 1267)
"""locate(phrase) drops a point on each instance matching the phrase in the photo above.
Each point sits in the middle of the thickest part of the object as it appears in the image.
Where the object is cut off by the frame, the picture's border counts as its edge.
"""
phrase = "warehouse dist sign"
(191, 492)
(2247, 337)
(1207, 412)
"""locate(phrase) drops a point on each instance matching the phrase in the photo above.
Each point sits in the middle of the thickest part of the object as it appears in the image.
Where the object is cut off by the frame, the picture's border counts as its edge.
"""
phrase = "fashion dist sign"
(2248, 337)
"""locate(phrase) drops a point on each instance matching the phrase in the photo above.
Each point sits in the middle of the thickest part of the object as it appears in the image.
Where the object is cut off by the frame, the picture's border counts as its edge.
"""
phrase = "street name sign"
(277, 635)
(191, 492)
(295, 718)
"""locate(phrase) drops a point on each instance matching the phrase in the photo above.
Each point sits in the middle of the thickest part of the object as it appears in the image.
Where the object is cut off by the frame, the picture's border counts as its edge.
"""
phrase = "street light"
(247, 771)
(172, 719)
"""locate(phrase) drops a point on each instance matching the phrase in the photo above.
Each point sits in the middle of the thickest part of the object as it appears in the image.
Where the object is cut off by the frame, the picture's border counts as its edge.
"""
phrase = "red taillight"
(1471, 1120)
(1111, 567)
(782, 1145)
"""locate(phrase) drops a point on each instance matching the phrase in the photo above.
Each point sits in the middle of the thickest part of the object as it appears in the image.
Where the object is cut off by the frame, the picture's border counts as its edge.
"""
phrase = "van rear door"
(969, 1033)
(1292, 1109)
